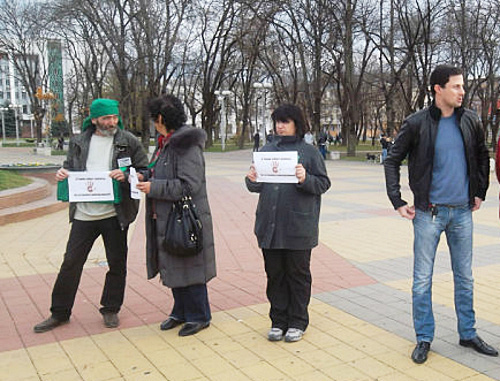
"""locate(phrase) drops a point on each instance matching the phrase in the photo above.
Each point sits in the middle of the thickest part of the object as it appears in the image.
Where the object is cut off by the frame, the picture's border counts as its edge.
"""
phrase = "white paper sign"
(276, 167)
(132, 178)
(90, 186)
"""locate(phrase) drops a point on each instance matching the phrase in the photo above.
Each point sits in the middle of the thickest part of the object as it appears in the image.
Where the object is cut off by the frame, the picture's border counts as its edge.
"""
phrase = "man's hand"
(300, 173)
(477, 204)
(252, 174)
(407, 211)
(144, 187)
(117, 174)
(61, 174)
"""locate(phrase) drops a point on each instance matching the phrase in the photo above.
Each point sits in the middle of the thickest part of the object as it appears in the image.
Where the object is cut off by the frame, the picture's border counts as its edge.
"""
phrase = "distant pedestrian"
(448, 165)
(103, 145)
(322, 141)
(309, 138)
(256, 142)
(286, 225)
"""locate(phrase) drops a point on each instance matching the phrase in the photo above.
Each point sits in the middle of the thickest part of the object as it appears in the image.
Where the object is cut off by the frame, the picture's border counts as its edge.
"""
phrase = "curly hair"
(171, 110)
(287, 112)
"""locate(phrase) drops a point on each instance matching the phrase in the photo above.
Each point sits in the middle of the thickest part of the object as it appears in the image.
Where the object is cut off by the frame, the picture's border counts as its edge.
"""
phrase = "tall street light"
(264, 87)
(2, 110)
(221, 97)
(16, 107)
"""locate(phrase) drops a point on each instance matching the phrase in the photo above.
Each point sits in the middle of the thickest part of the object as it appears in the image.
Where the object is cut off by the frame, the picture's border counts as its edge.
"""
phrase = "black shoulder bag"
(184, 234)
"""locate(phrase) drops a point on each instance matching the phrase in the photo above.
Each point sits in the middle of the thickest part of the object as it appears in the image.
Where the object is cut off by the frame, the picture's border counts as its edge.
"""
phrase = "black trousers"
(191, 304)
(81, 239)
(288, 287)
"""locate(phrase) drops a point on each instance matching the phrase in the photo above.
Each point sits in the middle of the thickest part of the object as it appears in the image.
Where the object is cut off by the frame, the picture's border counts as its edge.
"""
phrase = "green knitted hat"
(102, 107)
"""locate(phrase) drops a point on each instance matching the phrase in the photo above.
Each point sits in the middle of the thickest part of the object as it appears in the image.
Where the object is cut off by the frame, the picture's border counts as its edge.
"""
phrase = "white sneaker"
(293, 334)
(275, 334)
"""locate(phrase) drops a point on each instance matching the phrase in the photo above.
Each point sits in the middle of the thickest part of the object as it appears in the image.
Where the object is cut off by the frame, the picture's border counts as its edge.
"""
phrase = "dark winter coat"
(125, 145)
(180, 163)
(417, 139)
(287, 215)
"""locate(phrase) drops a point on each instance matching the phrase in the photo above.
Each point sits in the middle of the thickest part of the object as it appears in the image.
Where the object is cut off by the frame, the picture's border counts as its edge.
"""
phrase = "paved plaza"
(360, 313)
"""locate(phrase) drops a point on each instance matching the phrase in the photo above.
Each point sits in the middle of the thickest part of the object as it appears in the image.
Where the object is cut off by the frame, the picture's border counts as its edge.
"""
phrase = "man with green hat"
(103, 145)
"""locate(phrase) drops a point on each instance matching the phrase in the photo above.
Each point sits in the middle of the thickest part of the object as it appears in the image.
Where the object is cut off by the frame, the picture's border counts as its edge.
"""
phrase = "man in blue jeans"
(448, 166)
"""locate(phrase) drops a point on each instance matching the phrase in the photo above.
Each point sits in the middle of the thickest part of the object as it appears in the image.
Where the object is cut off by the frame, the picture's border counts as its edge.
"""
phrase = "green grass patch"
(11, 179)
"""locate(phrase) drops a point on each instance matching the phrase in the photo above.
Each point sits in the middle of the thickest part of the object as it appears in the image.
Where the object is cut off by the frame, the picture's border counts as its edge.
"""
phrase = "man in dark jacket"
(448, 167)
(102, 146)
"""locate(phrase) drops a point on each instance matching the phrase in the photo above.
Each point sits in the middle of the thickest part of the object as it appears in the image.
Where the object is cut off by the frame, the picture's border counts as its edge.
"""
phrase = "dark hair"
(171, 110)
(287, 112)
(441, 75)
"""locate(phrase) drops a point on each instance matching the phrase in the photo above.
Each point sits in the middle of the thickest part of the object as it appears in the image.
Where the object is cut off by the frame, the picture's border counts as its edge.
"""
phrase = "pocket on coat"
(302, 224)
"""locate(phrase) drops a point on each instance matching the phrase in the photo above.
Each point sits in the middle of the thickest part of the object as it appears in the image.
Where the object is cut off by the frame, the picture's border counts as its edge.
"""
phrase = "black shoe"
(111, 320)
(170, 323)
(480, 346)
(420, 352)
(48, 324)
(192, 328)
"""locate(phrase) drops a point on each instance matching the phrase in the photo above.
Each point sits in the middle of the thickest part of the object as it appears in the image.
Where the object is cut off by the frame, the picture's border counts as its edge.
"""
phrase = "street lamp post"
(2, 110)
(265, 87)
(221, 97)
(16, 107)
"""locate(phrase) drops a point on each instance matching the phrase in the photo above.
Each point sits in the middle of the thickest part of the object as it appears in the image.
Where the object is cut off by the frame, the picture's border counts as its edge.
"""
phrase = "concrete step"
(34, 200)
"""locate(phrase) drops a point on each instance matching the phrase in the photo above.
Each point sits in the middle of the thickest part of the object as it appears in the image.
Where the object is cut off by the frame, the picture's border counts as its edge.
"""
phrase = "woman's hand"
(144, 187)
(252, 174)
(300, 173)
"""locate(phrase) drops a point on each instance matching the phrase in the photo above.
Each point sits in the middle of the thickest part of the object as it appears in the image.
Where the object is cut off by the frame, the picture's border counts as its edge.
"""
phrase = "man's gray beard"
(106, 132)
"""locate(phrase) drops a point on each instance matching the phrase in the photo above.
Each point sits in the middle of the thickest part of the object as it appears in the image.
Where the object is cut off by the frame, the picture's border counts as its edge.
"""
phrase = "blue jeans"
(191, 304)
(456, 222)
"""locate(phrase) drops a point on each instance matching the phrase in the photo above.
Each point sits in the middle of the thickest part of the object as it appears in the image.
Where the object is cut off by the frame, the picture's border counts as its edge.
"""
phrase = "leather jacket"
(416, 141)
(124, 145)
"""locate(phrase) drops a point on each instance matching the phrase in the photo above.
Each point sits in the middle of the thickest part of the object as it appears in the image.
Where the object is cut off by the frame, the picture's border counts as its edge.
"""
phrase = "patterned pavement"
(360, 311)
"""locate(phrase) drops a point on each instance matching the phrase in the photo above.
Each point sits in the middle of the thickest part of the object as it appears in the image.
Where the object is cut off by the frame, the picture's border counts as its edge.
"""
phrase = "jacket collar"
(436, 111)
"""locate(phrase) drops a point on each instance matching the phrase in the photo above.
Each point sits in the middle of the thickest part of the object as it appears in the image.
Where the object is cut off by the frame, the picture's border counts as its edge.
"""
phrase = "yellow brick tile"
(148, 376)
(345, 334)
(372, 367)
(425, 373)
(243, 313)
(180, 372)
(345, 372)
(292, 366)
(269, 351)
(195, 351)
(478, 377)
(16, 365)
(234, 328)
(303, 346)
(320, 359)
(397, 360)
(312, 376)
(453, 369)
(369, 346)
(345, 352)
(212, 365)
(396, 376)
(165, 357)
(64, 375)
(263, 371)
(320, 338)
(223, 345)
(83, 351)
(241, 358)
(99, 371)
(232, 375)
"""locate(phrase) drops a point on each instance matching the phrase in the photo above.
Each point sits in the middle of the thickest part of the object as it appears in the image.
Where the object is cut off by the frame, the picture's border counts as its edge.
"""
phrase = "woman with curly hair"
(178, 165)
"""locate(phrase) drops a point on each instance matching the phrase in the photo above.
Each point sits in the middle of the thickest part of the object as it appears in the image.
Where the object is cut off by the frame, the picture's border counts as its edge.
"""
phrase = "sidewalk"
(360, 311)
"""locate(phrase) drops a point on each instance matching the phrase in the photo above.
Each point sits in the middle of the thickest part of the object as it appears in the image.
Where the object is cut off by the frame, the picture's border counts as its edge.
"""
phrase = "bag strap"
(186, 189)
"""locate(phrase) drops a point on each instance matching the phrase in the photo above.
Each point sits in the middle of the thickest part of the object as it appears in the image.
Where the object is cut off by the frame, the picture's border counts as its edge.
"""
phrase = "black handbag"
(184, 234)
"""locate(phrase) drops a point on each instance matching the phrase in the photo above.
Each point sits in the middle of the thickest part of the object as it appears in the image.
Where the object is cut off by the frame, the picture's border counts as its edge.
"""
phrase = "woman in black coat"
(176, 165)
(286, 225)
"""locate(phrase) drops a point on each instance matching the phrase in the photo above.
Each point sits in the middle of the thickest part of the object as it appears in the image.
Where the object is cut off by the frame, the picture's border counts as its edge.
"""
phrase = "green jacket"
(124, 145)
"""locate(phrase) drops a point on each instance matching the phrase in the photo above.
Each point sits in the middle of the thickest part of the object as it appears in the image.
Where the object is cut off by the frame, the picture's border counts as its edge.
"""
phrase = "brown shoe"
(49, 324)
(111, 320)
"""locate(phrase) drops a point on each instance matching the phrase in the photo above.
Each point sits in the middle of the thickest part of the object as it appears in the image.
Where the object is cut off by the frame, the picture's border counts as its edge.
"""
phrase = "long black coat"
(181, 160)
(287, 215)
